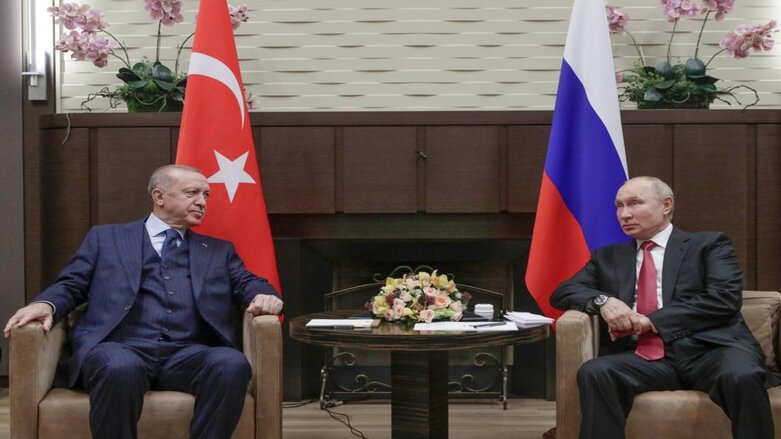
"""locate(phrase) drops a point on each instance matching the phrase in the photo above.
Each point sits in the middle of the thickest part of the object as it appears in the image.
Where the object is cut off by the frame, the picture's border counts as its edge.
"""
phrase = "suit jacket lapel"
(200, 257)
(673, 256)
(129, 240)
(626, 271)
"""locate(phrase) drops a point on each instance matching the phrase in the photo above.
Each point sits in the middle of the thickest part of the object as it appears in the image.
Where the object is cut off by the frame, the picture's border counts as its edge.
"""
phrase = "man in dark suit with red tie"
(671, 303)
(159, 313)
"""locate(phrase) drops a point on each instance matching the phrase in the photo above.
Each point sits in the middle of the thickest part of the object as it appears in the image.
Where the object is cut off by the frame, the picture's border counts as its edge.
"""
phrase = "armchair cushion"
(761, 312)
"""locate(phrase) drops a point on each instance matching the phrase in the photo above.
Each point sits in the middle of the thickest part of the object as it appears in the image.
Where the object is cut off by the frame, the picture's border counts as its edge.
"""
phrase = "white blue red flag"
(585, 163)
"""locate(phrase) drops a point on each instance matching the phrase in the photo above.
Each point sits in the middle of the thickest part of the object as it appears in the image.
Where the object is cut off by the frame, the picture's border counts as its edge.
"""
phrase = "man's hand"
(39, 311)
(622, 321)
(265, 304)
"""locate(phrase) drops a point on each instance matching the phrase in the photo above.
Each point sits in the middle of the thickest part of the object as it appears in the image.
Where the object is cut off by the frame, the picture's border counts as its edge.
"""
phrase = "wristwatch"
(600, 300)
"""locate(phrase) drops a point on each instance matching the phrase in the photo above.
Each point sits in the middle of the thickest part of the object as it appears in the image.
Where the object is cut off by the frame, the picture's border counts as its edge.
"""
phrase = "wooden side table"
(419, 364)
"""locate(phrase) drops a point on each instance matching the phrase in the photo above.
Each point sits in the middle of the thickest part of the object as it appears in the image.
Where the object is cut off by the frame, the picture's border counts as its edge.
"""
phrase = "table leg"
(419, 394)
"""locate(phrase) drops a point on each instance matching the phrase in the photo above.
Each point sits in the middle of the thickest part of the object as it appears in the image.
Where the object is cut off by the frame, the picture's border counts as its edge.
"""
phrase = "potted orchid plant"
(687, 84)
(148, 84)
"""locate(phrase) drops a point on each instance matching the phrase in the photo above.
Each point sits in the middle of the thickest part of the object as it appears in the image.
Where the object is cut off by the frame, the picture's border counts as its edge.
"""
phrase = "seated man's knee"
(110, 365)
(748, 375)
(592, 370)
(230, 364)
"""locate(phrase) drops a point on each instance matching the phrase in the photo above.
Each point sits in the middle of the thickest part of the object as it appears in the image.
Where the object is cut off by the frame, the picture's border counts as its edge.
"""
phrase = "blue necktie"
(169, 246)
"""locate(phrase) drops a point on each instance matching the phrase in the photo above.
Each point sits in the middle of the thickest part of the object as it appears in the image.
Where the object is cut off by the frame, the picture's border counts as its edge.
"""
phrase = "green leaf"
(165, 85)
(652, 95)
(162, 73)
(695, 68)
(705, 80)
(665, 70)
(664, 85)
(142, 70)
(707, 88)
(127, 75)
(141, 83)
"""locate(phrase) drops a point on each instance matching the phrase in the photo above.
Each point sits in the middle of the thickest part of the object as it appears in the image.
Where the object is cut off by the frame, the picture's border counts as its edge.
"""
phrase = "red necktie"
(649, 346)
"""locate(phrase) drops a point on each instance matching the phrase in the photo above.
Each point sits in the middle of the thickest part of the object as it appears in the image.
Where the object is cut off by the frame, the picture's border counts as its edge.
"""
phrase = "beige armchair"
(41, 412)
(686, 413)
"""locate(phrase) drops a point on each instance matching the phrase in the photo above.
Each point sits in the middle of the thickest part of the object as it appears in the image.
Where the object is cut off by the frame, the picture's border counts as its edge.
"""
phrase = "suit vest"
(164, 309)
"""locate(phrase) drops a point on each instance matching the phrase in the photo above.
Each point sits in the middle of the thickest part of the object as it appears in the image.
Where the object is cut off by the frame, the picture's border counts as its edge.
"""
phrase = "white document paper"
(466, 326)
(340, 323)
(527, 319)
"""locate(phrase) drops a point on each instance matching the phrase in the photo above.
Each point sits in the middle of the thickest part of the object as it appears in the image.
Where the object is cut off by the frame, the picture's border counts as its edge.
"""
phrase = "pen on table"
(485, 325)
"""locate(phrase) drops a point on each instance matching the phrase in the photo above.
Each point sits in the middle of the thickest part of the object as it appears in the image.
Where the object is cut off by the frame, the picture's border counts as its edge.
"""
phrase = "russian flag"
(586, 162)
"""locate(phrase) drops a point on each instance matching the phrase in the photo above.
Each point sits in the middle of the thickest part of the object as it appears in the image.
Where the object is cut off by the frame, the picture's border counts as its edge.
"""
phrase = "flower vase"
(695, 102)
(134, 105)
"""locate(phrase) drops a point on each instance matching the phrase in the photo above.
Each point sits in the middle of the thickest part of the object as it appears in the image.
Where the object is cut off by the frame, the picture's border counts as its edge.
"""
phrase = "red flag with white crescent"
(216, 137)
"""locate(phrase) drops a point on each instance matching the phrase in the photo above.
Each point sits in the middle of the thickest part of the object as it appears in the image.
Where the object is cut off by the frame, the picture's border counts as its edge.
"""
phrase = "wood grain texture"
(380, 169)
(711, 180)
(122, 161)
(462, 169)
(768, 207)
(297, 169)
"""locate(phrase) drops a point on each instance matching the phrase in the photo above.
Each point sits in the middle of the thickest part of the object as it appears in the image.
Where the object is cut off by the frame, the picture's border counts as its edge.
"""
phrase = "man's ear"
(667, 205)
(157, 196)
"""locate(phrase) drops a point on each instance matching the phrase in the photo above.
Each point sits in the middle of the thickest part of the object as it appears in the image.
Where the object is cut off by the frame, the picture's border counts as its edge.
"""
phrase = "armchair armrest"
(575, 344)
(32, 363)
(263, 348)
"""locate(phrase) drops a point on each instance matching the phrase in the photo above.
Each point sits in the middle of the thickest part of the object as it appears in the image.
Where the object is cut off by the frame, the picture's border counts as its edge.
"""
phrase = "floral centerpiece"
(148, 85)
(687, 85)
(419, 297)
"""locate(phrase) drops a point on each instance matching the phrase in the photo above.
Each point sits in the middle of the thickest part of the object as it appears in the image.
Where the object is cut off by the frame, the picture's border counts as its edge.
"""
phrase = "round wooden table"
(419, 364)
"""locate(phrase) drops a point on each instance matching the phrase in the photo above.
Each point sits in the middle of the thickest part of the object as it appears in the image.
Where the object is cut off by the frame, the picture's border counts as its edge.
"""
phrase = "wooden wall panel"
(526, 149)
(768, 207)
(124, 160)
(65, 198)
(649, 151)
(711, 179)
(297, 169)
(380, 169)
(462, 169)
(723, 165)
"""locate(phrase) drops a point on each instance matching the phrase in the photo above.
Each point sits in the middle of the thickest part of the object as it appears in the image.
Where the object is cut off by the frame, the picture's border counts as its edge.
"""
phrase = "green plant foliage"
(675, 86)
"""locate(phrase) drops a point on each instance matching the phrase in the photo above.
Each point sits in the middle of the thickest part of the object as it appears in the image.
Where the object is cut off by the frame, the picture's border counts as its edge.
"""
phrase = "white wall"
(331, 55)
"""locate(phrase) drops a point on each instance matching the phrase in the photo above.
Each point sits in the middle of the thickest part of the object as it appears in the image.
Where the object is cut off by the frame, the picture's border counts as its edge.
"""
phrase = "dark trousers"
(117, 376)
(733, 378)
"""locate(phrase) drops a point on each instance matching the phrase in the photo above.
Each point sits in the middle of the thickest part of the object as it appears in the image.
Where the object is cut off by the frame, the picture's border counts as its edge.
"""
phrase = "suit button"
(170, 293)
(168, 311)
(127, 308)
(167, 277)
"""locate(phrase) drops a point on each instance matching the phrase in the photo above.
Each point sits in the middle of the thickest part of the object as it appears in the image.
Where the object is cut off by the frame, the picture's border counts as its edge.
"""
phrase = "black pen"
(485, 325)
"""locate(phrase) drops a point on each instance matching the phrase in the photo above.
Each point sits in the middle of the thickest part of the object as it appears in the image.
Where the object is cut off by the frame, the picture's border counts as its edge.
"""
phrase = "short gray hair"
(161, 177)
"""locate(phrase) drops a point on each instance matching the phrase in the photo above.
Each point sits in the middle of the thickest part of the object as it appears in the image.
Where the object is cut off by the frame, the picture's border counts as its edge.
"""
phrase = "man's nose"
(624, 212)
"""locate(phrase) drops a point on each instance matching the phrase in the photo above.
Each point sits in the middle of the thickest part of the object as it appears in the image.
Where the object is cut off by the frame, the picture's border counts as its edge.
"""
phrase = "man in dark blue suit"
(159, 313)
(692, 337)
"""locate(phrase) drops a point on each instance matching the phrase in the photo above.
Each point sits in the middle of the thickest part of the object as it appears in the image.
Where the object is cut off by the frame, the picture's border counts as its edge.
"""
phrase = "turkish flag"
(216, 137)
